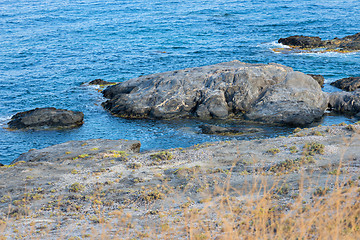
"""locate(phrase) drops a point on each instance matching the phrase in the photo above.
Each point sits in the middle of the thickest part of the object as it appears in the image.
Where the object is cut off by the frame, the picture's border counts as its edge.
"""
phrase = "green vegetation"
(296, 130)
(134, 165)
(273, 151)
(291, 165)
(293, 149)
(76, 187)
(119, 155)
(313, 148)
(161, 156)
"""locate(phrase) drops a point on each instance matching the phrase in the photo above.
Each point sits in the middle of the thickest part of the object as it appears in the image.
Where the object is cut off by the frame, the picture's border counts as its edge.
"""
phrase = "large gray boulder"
(221, 91)
(345, 102)
(79, 149)
(46, 118)
(295, 101)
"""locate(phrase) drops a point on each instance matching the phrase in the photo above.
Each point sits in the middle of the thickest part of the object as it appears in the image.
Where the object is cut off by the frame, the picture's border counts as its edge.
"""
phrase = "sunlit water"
(49, 48)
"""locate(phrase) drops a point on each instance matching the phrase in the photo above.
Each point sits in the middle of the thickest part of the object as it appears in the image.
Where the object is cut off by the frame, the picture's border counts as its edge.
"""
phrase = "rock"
(78, 149)
(345, 102)
(348, 43)
(100, 82)
(347, 84)
(213, 129)
(319, 78)
(46, 118)
(301, 41)
(219, 91)
(296, 101)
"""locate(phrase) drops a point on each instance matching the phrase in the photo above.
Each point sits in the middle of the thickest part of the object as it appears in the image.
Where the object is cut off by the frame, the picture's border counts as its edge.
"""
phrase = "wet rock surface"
(100, 82)
(345, 102)
(351, 42)
(46, 118)
(348, 43)
(348, 84)
(221, 91)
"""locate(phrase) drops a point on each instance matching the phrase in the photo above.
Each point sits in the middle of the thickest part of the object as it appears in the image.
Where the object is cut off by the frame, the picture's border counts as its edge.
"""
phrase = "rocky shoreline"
(101, 188)
(84, 195)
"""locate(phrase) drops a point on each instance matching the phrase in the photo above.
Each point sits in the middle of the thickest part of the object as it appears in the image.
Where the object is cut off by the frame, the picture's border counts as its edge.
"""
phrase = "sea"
(50, 48)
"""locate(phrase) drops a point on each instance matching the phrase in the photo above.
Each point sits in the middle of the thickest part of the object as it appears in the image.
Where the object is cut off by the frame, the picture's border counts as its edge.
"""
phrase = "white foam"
(4, 120)
(274, 44)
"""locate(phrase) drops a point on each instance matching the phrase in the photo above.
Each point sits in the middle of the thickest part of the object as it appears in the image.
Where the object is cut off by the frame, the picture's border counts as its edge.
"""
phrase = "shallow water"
(48, 49)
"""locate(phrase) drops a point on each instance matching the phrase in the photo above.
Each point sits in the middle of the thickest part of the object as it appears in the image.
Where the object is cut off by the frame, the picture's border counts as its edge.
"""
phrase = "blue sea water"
(49, 48)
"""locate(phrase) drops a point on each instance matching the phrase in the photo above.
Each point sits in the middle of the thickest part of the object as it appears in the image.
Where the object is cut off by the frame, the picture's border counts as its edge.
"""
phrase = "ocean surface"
(48, 49)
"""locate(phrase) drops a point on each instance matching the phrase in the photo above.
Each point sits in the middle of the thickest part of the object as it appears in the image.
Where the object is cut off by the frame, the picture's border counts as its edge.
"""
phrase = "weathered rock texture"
(345, 102)
(319, 78)
(79, 149)
(347, 84)
(348, 43)
(269, 93)
(49, 118)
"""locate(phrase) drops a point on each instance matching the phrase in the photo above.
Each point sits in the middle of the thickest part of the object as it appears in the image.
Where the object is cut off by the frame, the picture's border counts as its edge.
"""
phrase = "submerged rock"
(270, 93)
(46, 118)
(100, 82)
(345, 102)
(348, 43)
(79, 149)
(213, 129)
(347, 84)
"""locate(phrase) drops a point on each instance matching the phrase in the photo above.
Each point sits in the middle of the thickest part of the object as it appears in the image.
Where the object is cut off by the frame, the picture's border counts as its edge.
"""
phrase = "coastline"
(88, 196)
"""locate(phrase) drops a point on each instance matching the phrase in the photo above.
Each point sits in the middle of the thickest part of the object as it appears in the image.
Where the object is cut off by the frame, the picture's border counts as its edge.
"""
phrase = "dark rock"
(220, 91)
(345, 102)
(74, 149)
(213, 129)
(319, 78)
(100, 82)
(301, 41)
(347, 84)
(348, 43)
(46, 118)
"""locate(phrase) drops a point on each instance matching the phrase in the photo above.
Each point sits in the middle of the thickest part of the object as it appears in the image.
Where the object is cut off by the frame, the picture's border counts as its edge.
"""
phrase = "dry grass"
(201, 205)
(256, 211)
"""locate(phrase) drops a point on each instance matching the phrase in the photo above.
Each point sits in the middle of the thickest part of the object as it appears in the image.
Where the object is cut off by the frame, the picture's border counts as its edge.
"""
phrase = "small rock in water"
(100, 82)
(346, 44)
(46, 118)
(348, 84)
